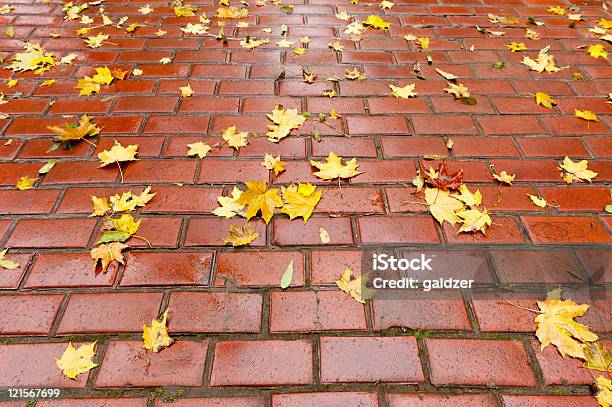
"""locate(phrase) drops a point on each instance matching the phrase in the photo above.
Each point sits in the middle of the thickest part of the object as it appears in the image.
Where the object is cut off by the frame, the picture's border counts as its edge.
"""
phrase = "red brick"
(576, 198)
(385, 105)
(31, 365)
(549, 401)
(80, 172)
(149, 146)
(481, 147)
(158, 232)
(208, 104)
(177, 146)
(143, 171)
(212, 231)
(11, 172)
(499, 362)
(397, 229)
(152, 104)
(39, 148)
(258, 268)
(307, 311)
(57, 270)
(328, 399)
(345, 147)
(262, 363)
(328, 266)
(28, 314)
(503, 230)
(435, 400)
(246, 88)
(572, 126)
(368, 359)
(595, 262)
(231, 171)
(565, 229)
(412, 146)
(286, 232)
(215, 402)
(126, 363)
(77, 106)
(225, 312)
(374, 125)
(600, 146)
(29, 202)
(266, 104)
(166, 268)
(10, 279)
(120, 402)
(559, 370)
(340, 105)
(291, 147)
(176, 124)
(385, 171)
(48, 233)
(535, 267)
(445, 125)
(530, 170)
(510, 125)
(200, 88)
(552, 147)
(420, 310)
(350, 200)
(109, 312)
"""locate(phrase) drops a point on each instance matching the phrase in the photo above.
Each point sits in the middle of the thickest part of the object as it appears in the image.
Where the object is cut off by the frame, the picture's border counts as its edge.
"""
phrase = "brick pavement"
(241, 340)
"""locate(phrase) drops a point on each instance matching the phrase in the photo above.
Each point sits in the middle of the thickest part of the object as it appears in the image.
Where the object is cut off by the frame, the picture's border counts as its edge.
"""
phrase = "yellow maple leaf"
(355, 286)
(545, 100)
(556, 326)
(284, 121)
(106, 254)
(376, 22)
(229, 208)
(129, 202)
(48, 82)
(100, 206)
(604, 391)
(68, 132)
(258, 198)
(35, 58)
(586, 115)
(145, 10)
(11, 83)
(76, 361)
(517, 46)
(198, 148)
(234, 139)
(333, 167)
(285, 43)
(458, 89)
(386, 5)
(597, 51)
(541, 202)
(156, 336)
(87, 86)
(6, 263)
(598, 357)
(232, 12)
(576, 170)
(336, 46)
(240, 235)
(467, 197)
(186, 10)
(532, 34)
(300, 200)
(118, 154)
(103, 76)
(96, 41)
(504, 177)
(545, 62)
(474, 220)
(606, 24)
(404, 92)
(443, 206)
(423, 42)
(195, 29)
(273, 163)
(299, 51)
(126, 224)
(26, 182)
(557, 10)
(252, 43)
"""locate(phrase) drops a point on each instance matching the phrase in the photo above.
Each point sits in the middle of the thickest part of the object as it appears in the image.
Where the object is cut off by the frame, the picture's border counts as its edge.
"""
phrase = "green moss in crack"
(165, 394)
(31, 403)
(559, 391)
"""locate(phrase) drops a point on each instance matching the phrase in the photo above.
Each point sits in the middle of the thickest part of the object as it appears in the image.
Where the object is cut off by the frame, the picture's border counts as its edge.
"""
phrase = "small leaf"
(47, 167)
(287, 276)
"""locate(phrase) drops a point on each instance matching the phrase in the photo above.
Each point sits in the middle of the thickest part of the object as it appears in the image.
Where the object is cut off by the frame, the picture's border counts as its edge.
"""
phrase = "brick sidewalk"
(240, 339)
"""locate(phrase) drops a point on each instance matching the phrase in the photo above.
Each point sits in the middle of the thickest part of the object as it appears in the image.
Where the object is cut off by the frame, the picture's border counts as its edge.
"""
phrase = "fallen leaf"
(287, 276)
(145, 10)
(467, 197)
(532, 34)
(35, 58)
(100, 206)
(376, 22)
(557, 10)
(156, 336)
(198, 148)
(118, 154)
(443, 206)
(459, 90)
(273, 163)
(285, 120)
(538, 201)
(604, 391)
(241, 235)
(6, 263)
(186, 91)
(96, 41)
(70, 133)
(545, 62)
(446, 75)
(229, 208)
(235, 139)
(517, 46)
(258, 198)
(324, 236)
(76, 361)
(545, 100)
(26, 182)
(504, 177)
(300, 200)
(354, 287)
(403, 92)
(598, 357)
(440, 178)
(129, 202)
(336, 46)
(576, 170)
(333, 167)
(556, 326)
(597, 51)
(474, 220)
(47, 167)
